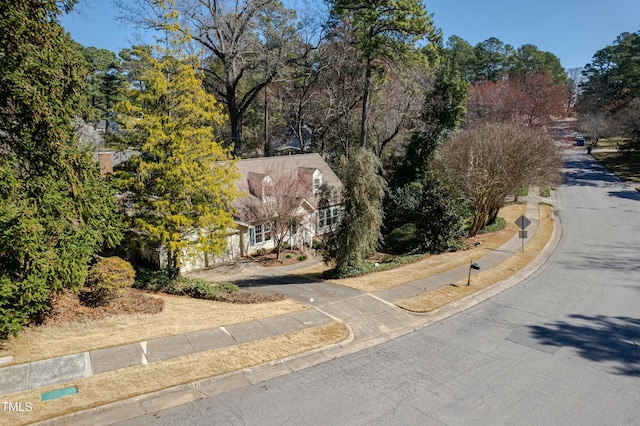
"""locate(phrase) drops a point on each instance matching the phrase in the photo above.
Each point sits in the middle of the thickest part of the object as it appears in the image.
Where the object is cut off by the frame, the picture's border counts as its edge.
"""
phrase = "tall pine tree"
(384, 29)
(55, 211)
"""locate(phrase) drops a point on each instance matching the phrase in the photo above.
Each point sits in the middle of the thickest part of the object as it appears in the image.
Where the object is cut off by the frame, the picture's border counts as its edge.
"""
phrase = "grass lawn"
(431, 265)
(180, 315)
(623, 164)
(610, 143)
(443, 296)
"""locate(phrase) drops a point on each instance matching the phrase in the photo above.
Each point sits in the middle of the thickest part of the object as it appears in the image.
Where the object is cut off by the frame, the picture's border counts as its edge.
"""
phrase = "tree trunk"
(267, 144)
(172, 265)
(493, 215)
(235, 120)
(365, 103)
(479, 218)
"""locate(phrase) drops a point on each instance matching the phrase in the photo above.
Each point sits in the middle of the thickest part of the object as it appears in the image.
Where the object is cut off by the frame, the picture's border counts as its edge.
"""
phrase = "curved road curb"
(182, 394)
(492, 290)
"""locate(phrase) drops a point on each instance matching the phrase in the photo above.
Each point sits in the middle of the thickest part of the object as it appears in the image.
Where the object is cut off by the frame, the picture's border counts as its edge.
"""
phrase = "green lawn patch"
(544, 191)
(497, 225)
(625, 165)
(391, 262)
(611, 143)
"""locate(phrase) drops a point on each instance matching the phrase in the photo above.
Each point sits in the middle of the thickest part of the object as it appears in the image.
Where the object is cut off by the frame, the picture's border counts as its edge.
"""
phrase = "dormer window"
(261, 186)
(311, 178)
(317, 181)
(267, 189)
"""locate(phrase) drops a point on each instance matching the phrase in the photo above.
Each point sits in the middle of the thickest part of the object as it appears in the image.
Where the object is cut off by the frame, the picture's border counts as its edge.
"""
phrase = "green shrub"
(354, 271)
(196, 288)
(289, 256)
(200, 289)
(19, 302)
(319, 244)
(107, 280)
(148, 279)
(545, 191)
(497, 225)
(302, 258)
(391, 262)
(183, 286)
(402, 239)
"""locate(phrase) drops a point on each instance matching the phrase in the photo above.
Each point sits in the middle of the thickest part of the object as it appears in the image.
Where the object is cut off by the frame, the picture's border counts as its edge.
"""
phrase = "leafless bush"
(492, 161)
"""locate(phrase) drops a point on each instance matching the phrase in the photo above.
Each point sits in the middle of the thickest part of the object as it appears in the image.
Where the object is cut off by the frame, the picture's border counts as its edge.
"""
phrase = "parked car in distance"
(579, 140)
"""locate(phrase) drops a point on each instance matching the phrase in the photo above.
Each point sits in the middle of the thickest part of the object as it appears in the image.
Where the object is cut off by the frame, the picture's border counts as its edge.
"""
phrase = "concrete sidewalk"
(372, 319)
(65, 369)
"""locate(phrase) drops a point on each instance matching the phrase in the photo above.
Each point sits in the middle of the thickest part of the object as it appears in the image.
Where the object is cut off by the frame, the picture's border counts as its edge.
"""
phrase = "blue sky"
(573, 30)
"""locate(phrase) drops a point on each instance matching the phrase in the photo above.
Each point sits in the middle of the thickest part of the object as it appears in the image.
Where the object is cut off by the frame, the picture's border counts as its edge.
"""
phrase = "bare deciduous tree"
(530, 99)
(574, 81)
(594, 125)
(249, 43)
(397, 106)
(490, 161)
(278, 198)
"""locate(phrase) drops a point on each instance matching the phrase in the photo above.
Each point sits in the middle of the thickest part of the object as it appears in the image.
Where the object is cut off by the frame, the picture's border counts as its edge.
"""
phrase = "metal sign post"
(522, 223)
(472, 266)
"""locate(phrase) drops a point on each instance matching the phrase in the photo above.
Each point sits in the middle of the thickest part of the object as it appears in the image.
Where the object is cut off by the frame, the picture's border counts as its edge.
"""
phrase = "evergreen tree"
(384, 30)
(358, 234)
(183, 185)
(426, 215)
(105, 83)
(55, 211)
(442, 113)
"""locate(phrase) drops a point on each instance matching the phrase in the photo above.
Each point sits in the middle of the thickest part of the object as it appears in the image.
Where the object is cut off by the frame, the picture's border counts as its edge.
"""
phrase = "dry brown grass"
(130, 382)
(435, 299)
(625, 165)
(180, 315)
(313, 271)
(432, 265)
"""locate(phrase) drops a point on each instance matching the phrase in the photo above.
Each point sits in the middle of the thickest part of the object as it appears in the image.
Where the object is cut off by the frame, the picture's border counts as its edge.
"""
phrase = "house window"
(329, 216)
(260, 233)
(266, 229)
(317, 181)
(322, 218)
(336, 214)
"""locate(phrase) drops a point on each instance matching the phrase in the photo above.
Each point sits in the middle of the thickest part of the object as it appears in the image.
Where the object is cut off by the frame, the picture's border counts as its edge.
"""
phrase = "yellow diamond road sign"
(523, 222)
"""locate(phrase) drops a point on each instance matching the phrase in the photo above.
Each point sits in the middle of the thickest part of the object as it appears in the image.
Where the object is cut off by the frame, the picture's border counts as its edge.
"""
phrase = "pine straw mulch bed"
(269, 259)
(66, 307)
(244, 297)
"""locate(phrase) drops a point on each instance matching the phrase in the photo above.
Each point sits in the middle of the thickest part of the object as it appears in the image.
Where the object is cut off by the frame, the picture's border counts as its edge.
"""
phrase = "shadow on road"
(271, 280)
(621, 257)
(597, 338)
(585, 171)
(627, 195)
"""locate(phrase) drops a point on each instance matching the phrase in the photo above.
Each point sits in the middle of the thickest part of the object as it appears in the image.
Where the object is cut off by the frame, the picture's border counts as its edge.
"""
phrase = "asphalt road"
(560, 348)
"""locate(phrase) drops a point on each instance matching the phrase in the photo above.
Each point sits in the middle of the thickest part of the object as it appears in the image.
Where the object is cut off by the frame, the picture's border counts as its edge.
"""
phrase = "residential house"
(282, 185)
(272, 186)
